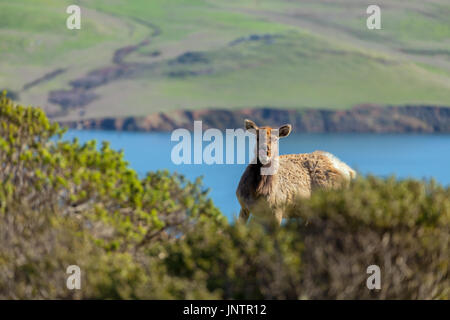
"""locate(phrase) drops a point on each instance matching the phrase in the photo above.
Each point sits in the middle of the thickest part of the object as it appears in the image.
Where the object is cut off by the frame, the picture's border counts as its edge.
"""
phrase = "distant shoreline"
(359, 119)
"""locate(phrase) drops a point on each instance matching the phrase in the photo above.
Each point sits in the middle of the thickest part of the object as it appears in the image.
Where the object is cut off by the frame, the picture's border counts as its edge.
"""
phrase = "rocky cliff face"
(363, 118)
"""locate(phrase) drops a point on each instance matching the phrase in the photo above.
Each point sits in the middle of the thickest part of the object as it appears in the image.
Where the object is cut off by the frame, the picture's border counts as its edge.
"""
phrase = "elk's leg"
(244, 215)
(272, 223)
(278, 216)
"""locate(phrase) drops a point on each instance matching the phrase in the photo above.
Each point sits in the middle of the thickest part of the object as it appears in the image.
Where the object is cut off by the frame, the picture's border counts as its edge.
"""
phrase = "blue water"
(405, 155)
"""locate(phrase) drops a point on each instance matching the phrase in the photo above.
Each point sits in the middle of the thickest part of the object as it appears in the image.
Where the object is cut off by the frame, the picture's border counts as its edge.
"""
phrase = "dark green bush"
(64, 203)
(401, 226)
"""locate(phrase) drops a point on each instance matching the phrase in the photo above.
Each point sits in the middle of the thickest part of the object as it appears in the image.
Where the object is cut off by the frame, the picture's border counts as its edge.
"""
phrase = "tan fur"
(298, 175)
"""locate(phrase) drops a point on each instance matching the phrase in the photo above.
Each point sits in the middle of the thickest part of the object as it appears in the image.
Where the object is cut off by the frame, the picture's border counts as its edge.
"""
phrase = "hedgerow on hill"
(161, 237)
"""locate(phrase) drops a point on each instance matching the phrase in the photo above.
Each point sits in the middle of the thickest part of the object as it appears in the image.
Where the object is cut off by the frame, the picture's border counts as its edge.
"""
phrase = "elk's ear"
(249, 124)
(284, 131)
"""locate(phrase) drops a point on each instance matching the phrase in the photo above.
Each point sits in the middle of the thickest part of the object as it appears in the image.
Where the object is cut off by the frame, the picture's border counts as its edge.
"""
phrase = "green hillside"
(187, 54)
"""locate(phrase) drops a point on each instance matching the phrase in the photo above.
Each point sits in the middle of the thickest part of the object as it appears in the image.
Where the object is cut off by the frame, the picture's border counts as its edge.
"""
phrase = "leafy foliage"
(64, 203)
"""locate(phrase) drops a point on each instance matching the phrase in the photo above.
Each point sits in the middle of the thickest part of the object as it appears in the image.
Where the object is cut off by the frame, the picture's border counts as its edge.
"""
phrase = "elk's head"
(267, 140)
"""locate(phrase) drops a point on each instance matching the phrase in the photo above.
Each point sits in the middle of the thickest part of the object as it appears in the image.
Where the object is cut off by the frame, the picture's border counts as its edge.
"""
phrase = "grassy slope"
(324, 55)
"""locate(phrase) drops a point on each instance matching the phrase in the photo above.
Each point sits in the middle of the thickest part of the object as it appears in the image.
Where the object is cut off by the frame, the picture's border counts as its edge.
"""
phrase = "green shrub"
(64, 203)
(401, 226)
(324, 250)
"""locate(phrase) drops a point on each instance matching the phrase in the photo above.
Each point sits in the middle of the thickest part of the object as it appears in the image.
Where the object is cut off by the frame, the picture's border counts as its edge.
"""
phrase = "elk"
(272, 182)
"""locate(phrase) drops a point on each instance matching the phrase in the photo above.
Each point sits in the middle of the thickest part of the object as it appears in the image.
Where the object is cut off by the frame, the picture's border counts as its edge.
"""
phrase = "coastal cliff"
(359, 119)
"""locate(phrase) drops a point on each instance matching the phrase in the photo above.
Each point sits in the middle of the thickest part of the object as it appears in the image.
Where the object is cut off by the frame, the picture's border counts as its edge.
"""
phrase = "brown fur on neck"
(260, 184)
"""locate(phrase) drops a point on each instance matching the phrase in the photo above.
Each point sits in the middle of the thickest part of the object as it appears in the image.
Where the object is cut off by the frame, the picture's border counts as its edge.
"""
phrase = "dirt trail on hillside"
(82, 92)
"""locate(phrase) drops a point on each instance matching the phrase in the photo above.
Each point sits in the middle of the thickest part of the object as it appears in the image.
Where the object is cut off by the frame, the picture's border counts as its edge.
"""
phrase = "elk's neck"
(261, 184)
